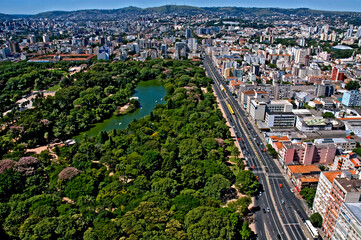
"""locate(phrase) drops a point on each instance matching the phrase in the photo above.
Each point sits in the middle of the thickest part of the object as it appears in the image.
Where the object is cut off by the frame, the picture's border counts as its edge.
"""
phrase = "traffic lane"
(290, 219)
(256, 136)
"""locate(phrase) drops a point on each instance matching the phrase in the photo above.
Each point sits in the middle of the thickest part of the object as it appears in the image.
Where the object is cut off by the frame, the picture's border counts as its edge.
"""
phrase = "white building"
(323, 190)
(348, 225)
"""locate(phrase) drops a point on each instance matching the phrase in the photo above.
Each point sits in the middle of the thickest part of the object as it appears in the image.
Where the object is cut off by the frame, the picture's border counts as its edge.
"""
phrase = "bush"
(316, 219)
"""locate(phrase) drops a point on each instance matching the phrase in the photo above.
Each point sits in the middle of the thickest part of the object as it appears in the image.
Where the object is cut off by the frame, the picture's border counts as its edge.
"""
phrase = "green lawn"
(54, 88)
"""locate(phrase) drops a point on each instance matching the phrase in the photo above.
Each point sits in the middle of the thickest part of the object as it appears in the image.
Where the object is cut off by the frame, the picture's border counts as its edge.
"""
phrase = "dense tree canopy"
(164, 177)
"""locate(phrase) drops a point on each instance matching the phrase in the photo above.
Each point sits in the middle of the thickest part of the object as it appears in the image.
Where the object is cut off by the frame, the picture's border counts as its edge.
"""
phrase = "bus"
(313, 231)
(230, 108)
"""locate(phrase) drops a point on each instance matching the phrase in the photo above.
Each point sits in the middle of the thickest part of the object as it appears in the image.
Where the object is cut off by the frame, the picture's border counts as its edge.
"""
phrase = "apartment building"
(343, 143)
(351, 99)
(323, 190)
(346, 162)
(307, 153)
(344, 190)
(348, 224)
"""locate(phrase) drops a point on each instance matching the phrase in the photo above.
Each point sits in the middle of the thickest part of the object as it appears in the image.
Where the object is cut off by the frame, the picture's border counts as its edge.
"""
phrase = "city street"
(283, 221)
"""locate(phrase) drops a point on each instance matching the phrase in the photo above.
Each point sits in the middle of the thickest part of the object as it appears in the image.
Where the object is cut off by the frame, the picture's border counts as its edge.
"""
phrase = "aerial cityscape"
(180, 121)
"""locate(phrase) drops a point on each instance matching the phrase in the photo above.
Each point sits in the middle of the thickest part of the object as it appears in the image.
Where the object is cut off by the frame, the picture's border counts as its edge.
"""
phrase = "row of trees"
(164, 177)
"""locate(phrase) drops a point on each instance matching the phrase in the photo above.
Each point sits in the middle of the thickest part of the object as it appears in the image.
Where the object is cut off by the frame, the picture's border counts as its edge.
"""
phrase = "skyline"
(38, 6)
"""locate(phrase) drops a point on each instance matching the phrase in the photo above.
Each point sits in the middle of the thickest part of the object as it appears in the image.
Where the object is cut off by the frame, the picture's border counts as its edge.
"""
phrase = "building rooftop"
(301, 112)
(304, 169)
(334, 174)
(332, 140)
(314, 121)
(355, 209)
(309, 179)
(350, 184)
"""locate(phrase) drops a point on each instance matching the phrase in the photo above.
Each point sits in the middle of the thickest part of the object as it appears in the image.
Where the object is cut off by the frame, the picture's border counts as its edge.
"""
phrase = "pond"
(150, 93)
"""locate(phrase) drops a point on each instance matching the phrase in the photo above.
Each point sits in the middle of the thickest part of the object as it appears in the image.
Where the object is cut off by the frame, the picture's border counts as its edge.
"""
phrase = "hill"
(96, 14)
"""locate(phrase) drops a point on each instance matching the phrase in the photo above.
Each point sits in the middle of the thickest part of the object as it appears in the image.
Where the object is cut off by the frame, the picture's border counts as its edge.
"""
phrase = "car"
(264, 210)
(291, 190)
(268, 210)
(278, 236)
(281, 186)
(282, 201)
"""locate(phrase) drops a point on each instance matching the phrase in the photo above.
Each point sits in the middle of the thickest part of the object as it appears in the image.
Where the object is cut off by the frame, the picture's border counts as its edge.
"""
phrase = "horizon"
(333, 5)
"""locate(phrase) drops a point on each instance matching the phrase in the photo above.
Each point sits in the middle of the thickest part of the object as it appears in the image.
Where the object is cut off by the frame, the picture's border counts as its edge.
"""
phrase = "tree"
(328, 115)
(316, 220)
(352, 85)
(240, 205)
(308, 194)
(166, 186)
(246, 232)
(209, 223)
(68, 173)
(79, 186)
(247, 183)
(216, 186)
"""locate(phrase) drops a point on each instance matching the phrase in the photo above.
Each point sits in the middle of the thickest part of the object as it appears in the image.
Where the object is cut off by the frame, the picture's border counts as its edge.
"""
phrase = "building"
(351, 98)
(346, 162)
(337, 74)
(344, 190)
(307, 153)
(300, 56)
(257, 109)
(46, 38)
(303, 176)
(279, 106)
(323, 190)
(348, 224)
(188, 33)
(245, 95)
(280, 119)
(344, 143)
(163, 49)
(311, 124)
(32, 39)
(325, 89)
(14, 47)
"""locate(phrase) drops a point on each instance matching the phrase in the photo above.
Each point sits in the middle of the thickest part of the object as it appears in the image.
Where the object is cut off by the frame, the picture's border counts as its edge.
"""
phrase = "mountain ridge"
(166, 9)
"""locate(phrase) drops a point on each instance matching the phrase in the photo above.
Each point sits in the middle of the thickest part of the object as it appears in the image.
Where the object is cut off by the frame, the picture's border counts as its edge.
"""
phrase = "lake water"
(150, 93)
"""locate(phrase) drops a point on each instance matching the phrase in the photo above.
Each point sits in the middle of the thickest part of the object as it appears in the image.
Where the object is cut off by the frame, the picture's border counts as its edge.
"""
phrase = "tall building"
(188, 33)
(163, 49)
(300, 55)
(32, 39)
(337, 74)
(349, 33)
(351, 98)
(323, 190)
(255, 69)
(14, 47)
(348, 224)
(324, 89)
(46, 38)
(344, 190)
(358, 33)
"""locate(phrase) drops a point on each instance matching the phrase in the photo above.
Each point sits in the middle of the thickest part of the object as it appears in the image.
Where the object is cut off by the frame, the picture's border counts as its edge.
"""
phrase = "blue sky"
(36, 6)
